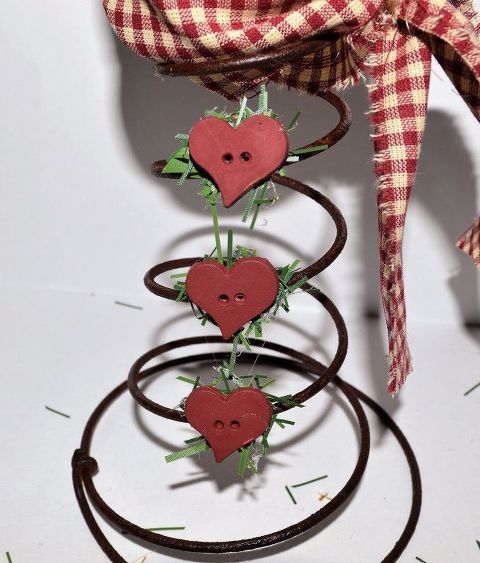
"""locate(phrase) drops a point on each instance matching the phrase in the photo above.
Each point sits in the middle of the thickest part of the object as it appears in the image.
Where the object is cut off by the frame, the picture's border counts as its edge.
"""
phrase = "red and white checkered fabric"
(388, 41)
(469, 242)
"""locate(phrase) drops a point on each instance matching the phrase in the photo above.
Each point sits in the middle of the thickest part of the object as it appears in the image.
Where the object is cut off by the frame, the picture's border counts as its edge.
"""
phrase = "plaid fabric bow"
(390, 41)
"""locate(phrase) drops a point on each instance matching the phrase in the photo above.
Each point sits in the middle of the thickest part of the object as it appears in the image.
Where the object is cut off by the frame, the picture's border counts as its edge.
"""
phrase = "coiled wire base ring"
(84, 466)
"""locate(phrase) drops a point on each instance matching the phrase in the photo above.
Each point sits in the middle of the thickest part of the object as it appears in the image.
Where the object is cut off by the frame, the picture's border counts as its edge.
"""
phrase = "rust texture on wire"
(267, 59)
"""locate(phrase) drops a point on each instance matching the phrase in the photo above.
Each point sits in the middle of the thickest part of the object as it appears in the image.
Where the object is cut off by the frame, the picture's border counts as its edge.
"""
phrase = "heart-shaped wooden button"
(232, 297)
(238, 159)
(228, 422)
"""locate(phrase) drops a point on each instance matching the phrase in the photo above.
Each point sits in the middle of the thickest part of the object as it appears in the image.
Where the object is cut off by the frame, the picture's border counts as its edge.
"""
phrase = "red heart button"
(232, 297)
(228, 422)
(238, 158)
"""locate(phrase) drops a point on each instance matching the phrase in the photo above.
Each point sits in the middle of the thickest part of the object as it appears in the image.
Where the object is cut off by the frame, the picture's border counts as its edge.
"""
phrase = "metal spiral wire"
(84, 466)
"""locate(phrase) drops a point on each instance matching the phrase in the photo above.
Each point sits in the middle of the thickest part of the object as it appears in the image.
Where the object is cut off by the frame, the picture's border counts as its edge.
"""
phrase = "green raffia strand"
(282, 421)
(219, 114)
(257, 326)
(165, 529)
(298, 285)
(186, 452)
(287, 271)
(258, 202)
(246, 462)
(244, 252)
(253, 377)
(178, 276)
(181, 292)
(267, 383)
(179, 163)
(251, 466)
(293, 122)
(267, 432)
(241, 111)
(191, 440)
(249, 329)
(263, 100)
(242, 465)
(193, 382)
(205, 191)
(216, 231)
(57, 412)
(306, 150)
(478, 544)
(308, 482)
(185, 173)
(198, 314)
(472, 389)
(233, 355)
(285, 400)
(245, 342)
(421, 560)
(251, 201)
(229, 248)
(9, 558)
(290, 494)
(215, 381)
(224, 378)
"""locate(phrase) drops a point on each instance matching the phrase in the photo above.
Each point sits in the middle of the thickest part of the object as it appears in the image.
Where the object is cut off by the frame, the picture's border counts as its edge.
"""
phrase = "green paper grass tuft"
(202, 446)
(180, 164)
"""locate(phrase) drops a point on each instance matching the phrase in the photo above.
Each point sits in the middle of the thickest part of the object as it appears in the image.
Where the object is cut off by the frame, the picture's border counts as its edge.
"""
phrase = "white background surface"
(82, 220)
